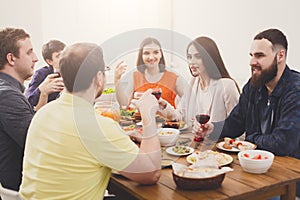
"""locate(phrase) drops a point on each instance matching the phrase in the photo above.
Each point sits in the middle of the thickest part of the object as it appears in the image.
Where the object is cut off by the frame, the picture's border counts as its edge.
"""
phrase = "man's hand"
(147, 105)
(51, 84)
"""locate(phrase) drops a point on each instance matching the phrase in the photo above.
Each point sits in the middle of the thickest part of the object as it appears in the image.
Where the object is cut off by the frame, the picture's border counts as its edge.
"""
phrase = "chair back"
(8, 194)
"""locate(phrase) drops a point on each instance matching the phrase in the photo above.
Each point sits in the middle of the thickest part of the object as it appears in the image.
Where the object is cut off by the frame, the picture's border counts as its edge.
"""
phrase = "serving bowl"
(168, 136)
(256, 161)
(188, 183)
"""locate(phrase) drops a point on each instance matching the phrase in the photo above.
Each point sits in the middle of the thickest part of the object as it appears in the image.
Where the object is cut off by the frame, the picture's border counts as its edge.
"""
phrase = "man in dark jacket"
(17, 60)
(269, 106)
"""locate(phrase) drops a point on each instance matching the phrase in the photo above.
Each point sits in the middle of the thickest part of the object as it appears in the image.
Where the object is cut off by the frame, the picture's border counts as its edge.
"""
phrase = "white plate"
(222, 158)
(170, 151)
(234, 149)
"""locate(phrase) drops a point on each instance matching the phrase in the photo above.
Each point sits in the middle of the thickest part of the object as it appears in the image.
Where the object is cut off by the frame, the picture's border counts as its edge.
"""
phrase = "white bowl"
(168, 136)
(256, 161)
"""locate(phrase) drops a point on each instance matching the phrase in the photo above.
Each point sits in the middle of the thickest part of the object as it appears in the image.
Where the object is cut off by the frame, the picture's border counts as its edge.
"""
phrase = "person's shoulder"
(226, 82)
(291, 81)
(43, 69)
(295, 76)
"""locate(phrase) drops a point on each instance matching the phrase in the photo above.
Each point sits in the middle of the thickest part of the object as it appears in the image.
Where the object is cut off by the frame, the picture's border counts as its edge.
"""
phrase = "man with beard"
(70, 150)
(269, 106)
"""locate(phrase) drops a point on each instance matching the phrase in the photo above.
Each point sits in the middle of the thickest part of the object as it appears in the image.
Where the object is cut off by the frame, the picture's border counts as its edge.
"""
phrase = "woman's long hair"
(211, 58)
(140, 63)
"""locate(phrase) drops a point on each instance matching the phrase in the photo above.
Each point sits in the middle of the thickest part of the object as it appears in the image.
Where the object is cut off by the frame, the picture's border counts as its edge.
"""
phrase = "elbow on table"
(151, 178)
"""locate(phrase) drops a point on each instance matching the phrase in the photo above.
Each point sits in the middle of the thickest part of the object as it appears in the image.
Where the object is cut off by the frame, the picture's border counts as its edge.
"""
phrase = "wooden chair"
(7, 194)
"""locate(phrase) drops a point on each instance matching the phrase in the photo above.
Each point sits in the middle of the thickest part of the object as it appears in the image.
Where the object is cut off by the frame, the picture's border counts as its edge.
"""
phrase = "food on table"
(137, 116)
(228, 140)
(227, 146)
(229, 143)
(256, 157)
(108, 91)
(221, 158)
(171, 124)
(127, 111)
(109, 113)
(243, 147)
(181, 149)
(129, 128)
(166, 133)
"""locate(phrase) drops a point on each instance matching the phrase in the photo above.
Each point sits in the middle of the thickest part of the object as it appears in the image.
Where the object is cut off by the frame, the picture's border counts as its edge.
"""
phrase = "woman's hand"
(202, 130)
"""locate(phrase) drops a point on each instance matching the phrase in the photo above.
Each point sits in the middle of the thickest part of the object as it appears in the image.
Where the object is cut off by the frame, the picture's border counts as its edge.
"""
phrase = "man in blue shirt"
(269, 106)
(46, 85)
(17, 60)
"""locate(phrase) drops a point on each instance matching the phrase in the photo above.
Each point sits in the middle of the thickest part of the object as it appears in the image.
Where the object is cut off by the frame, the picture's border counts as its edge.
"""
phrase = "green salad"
(108, 91)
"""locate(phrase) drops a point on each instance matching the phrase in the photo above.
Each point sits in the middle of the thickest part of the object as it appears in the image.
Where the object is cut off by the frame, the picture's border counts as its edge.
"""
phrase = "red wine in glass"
(202, 118)
(157, 93)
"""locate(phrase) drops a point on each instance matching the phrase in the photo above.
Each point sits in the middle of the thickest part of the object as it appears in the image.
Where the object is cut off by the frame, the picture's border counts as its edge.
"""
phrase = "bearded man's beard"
(266, 75)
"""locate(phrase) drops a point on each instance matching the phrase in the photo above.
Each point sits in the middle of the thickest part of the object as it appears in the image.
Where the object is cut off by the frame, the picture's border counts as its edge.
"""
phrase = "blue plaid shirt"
(282, 136)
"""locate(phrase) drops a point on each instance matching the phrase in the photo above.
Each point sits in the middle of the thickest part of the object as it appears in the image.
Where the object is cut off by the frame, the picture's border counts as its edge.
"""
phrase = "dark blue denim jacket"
(283, 136)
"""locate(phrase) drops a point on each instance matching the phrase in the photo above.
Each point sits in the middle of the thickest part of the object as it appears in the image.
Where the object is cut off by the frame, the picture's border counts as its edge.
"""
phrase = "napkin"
(195, 171)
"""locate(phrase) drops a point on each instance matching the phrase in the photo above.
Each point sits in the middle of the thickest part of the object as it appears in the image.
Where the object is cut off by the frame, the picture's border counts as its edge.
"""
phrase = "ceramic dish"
(222, 158)
(235, 149)
(185, 153)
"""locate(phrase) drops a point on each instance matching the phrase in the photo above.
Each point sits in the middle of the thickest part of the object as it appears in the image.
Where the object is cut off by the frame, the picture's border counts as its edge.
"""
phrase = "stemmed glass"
(202, 119)
(157, 92)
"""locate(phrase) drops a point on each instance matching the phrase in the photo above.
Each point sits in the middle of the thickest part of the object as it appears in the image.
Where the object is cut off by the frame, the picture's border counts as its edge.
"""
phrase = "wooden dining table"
(279, 180)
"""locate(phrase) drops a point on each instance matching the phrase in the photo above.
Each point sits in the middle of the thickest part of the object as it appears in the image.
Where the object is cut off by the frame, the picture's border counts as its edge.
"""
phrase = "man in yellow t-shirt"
(70, 150)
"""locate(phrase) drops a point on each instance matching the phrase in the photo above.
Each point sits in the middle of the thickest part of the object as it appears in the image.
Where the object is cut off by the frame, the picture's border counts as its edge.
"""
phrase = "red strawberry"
(246, 155)
(257, 157)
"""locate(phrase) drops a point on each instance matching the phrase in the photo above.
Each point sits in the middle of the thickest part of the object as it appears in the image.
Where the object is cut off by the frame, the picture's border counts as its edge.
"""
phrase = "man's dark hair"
(275, 36)
(51, 47)
(9, 38)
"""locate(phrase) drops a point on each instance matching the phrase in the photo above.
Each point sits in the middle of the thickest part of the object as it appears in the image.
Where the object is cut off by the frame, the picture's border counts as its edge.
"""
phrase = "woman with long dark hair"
(212, 91)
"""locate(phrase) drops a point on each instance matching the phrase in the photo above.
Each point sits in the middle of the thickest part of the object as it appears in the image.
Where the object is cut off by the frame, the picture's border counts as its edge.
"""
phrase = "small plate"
(222, 158)
(234, 149)
(170, 151)
(166, 162)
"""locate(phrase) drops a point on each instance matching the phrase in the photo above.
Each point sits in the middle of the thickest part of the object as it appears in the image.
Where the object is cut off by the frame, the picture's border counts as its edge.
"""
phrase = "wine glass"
(157, 92)
(202, 119)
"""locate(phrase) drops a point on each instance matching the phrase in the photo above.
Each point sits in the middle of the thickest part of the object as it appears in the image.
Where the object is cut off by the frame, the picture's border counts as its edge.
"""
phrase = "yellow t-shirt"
(70, 151)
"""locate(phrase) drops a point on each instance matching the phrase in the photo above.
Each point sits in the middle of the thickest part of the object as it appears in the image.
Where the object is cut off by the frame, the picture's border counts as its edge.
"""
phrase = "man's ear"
(10, 58)
(98, 78)
(281, 55)
(49, 61)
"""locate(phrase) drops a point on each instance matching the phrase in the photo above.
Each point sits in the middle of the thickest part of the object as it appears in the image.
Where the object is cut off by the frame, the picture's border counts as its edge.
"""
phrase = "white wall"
(231, 23)
(234, 23)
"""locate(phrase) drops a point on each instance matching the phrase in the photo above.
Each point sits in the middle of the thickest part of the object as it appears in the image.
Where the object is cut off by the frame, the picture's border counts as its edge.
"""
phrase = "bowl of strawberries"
(256, 161)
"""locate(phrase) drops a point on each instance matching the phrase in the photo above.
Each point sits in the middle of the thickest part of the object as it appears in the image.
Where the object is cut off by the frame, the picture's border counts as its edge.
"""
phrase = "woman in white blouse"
(211, 91)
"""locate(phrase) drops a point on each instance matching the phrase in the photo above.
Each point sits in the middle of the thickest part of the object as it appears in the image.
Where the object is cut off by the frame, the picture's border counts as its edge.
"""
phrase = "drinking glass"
(157, 92)
(202, 119)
